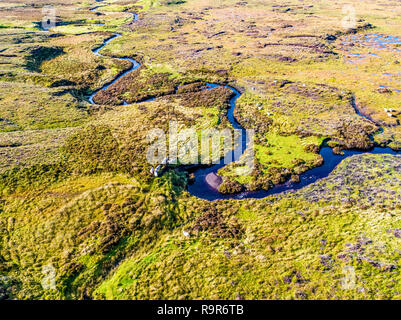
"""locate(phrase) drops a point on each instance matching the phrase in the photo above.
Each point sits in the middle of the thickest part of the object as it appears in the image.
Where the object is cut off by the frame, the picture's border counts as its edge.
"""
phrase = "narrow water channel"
(202, 189)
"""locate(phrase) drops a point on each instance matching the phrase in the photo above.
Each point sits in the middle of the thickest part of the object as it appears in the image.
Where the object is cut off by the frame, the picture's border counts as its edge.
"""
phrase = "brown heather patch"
(217, 225)
(230, 186)
(216, 97)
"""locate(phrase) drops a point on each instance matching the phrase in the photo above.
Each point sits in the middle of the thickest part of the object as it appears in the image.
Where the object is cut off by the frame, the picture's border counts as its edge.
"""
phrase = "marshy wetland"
(76, 192)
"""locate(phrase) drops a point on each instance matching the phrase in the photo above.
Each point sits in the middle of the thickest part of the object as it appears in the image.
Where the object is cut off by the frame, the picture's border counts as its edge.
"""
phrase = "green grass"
(283, 151)
(148, 4)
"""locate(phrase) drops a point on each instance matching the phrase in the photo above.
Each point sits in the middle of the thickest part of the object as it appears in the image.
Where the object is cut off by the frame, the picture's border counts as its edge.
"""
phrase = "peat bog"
(76, 192)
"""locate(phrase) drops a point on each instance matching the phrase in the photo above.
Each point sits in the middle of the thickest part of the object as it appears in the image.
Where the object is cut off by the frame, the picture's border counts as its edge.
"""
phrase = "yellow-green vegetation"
(291, 120)
(76, 193)
(283, 150)
(293, 246)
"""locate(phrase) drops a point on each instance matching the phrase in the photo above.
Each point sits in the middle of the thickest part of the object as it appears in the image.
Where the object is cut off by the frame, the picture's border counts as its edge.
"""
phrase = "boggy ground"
(76, 193)
(313, 89)
(291, 120)
(117, 237)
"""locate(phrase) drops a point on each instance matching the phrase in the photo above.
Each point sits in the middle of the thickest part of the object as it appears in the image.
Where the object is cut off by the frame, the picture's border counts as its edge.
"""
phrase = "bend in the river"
(202, 189)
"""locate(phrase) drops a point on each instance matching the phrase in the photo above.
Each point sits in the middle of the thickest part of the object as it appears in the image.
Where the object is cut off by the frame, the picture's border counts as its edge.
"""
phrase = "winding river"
(202, 189)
